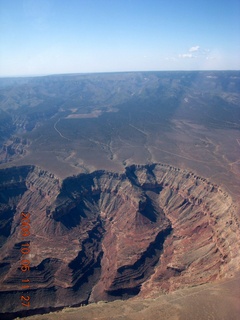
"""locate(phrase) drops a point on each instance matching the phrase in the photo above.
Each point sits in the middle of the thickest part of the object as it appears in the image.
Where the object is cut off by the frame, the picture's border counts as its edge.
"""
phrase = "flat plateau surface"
(219, 301)
(80, 123)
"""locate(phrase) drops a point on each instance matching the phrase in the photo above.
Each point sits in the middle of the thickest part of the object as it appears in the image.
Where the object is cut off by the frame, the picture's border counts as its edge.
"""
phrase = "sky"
(39, 37)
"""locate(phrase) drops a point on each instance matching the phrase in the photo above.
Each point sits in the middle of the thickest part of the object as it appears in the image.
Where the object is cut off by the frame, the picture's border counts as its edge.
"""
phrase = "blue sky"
(78, 36)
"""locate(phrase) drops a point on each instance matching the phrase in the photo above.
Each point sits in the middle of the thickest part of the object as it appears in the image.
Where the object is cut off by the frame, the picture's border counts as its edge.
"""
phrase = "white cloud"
(194, 55)
(193, 52)
(185, 55)
(194, 49)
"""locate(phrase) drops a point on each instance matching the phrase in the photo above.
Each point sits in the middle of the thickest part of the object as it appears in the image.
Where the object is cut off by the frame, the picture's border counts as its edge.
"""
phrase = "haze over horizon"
(53, 37)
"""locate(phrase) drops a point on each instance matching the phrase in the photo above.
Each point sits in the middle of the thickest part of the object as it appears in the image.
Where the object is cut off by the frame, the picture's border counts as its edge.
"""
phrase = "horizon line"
(113, 72)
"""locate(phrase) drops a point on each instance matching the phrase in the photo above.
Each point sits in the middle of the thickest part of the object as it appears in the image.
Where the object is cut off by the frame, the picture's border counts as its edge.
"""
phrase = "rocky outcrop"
(14, 147)
(103, 235)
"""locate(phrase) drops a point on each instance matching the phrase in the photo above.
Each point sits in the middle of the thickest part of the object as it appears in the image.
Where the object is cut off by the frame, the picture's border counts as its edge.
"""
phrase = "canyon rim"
(120, 186)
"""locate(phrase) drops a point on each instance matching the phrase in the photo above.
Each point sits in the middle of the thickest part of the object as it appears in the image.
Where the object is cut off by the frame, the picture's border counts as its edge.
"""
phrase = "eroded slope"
(103, 235)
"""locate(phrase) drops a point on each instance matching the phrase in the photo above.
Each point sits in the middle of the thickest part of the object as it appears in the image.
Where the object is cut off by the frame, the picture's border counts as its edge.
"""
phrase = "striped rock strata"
(105, 236)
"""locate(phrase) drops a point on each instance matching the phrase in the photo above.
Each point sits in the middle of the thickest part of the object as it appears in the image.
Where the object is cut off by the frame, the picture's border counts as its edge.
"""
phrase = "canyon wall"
(105, 236)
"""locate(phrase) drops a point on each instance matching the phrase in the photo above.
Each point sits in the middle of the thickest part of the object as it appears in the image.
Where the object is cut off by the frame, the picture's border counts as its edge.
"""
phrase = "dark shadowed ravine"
(86, 235)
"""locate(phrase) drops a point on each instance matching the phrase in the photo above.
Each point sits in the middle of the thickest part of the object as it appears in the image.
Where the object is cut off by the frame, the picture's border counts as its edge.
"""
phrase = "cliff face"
(103, 236)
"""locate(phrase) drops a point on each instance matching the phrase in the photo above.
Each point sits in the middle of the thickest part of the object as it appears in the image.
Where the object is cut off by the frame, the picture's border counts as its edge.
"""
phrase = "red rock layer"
(103, 236)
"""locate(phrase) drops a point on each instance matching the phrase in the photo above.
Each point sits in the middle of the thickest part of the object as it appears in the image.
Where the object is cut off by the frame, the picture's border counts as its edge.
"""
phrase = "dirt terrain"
(219, 301)
(132, 181)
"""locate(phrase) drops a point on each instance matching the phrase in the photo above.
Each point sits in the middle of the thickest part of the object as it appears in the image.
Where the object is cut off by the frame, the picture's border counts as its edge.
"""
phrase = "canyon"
(103, 235)
(120, 188)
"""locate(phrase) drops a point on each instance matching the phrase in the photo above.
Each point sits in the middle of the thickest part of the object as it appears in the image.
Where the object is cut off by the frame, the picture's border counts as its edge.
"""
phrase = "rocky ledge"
(105, 236)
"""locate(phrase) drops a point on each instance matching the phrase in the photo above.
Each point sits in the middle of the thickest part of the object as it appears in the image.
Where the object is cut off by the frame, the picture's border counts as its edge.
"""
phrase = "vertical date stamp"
(25, 251)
